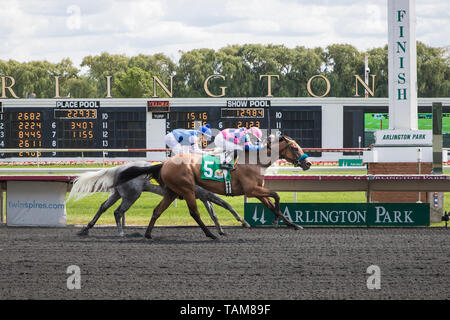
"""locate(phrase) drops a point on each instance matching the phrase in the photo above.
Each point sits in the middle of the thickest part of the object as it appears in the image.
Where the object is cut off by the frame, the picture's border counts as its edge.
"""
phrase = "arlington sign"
(343, 214)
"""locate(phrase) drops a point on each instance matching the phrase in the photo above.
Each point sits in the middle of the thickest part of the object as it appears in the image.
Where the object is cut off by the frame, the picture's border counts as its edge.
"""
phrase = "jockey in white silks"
(237, 139)
(187, 141)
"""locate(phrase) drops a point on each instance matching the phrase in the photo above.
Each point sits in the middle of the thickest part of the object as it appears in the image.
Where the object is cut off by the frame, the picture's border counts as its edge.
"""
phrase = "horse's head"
(292, 152)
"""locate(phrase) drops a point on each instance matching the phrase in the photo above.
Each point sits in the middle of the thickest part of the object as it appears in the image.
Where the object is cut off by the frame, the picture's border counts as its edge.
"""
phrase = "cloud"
(55, 29)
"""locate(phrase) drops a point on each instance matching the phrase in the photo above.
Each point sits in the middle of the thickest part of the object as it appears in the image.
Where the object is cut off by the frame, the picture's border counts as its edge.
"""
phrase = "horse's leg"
(271, 206)
(263, 195)
(168, 198)
(193, 210)
(276, 197)
(203, 194)
(277, 208)
(227, 206)
(127, 202)
(113, 197)
(213, 216)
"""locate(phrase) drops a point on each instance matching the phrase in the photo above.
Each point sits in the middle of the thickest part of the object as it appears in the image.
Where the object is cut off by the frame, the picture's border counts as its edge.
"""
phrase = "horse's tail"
(134, 171)
(91, 182)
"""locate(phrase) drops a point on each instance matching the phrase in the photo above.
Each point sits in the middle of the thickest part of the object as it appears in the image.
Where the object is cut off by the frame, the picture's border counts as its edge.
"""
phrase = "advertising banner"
(342, 214)
(35, 203)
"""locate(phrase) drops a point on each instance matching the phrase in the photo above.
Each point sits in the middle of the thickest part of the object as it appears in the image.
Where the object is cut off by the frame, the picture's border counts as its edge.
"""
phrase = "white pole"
(419, 160)
(366, 73)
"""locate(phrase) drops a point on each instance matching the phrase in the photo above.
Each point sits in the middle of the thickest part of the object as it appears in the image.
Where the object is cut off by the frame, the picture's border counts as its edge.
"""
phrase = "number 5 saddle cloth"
(213, 169)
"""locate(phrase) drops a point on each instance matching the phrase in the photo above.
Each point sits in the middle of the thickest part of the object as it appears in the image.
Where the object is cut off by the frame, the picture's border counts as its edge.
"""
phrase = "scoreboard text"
(72, 125)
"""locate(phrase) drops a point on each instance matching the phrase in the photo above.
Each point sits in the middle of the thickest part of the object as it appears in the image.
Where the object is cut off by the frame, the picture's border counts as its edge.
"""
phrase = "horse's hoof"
(212, 236)
(83, 233)
(245, 224)
(147, 236)
(222, 233)
(297, 227)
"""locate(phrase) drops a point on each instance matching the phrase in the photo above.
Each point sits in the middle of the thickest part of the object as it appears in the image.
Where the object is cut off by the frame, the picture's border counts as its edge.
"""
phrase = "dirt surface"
(181, 263)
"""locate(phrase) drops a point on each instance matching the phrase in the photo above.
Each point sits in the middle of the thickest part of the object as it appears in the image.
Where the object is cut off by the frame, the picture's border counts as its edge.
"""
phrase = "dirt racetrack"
(181, 263)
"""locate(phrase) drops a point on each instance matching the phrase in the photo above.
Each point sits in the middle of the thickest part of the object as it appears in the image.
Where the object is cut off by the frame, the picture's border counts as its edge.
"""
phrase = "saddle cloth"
(211, 169)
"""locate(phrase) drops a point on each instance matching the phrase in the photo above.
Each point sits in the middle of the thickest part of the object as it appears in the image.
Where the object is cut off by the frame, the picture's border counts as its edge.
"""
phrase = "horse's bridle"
(298, 160)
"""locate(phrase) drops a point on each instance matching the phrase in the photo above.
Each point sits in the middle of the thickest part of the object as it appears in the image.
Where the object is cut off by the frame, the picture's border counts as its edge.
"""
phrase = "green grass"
(371, 124)
(82, 211)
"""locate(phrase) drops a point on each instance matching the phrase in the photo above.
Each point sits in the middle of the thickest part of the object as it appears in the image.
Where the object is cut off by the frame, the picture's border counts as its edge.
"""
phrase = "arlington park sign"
(343, 214)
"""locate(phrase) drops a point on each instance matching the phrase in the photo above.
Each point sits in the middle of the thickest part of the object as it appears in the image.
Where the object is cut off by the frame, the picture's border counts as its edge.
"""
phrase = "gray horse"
(130, 191)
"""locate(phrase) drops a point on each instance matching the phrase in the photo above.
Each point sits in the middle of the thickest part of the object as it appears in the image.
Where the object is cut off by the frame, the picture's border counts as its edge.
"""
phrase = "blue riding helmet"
(205, 130)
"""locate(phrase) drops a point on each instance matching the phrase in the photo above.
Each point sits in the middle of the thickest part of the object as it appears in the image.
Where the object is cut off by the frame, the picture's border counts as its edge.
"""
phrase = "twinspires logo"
(34, 205)
(342, 214)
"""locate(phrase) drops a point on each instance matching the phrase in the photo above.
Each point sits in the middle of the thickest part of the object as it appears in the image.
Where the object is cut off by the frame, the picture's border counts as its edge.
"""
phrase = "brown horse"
(180, 174)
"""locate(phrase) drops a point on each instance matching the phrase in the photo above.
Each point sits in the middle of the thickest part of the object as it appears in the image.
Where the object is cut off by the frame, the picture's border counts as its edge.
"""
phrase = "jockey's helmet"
(255, 131)
(206, 131)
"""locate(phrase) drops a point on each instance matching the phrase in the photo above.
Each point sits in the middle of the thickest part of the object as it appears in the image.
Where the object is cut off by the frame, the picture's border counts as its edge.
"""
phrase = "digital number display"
(73, 125)
(248, 124)
(187, 120)
(190, 120)
(27, 131)
(302, 123)
(242, 113)
(76, 114)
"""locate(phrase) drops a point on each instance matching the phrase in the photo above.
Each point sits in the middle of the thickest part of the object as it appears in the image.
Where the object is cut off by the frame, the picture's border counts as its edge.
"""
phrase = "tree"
(343, 61)
(378, 65)
(193, 68)
(134, 83)
(306, 63)
(433, 72)
(38, 77)
(158, 64)
(81, 87)
(241, 65)
(105, 65)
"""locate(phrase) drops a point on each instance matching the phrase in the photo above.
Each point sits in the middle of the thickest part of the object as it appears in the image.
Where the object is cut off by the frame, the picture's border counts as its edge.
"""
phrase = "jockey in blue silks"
(187, 141)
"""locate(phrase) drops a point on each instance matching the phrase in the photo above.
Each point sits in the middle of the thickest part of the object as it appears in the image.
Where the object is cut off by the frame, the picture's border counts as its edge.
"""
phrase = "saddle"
(217, 168)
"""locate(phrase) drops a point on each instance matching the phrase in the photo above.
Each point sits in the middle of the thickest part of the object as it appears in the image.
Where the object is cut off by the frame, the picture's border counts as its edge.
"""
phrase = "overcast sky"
(55, 29)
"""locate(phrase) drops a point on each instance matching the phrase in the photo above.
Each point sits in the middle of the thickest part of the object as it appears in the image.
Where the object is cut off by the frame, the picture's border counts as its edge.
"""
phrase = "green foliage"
(241, 65)
(432, 72)
(135, 82)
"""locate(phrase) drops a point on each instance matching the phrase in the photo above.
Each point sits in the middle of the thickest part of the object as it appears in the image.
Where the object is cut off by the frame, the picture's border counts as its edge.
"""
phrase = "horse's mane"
(285, 138)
